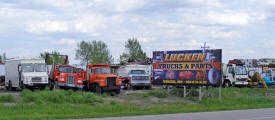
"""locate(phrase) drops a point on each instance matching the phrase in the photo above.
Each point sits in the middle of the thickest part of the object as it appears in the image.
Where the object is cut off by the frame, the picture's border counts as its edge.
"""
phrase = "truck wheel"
(9, 87)
(22, 86)
(98, 89)
(227, 84)
(117, 91)
(148, 87)
(51, 85)
(134, 88)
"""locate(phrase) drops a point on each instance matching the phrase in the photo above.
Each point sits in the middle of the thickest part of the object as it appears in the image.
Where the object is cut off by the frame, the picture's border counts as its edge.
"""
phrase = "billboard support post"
(220, 92)
(200, 93)
(184, 91)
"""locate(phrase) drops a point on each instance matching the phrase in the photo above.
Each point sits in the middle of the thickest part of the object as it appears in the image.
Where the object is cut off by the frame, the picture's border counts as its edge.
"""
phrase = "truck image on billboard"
(187, 67)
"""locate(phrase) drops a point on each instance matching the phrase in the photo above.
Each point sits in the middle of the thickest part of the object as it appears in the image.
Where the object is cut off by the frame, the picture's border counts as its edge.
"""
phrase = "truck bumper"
(110, 88)
(141, 84)
(70, 85)
(36, 84)
(241, 83)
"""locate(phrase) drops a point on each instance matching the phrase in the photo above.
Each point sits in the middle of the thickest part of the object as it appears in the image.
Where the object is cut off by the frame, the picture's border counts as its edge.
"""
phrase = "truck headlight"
(79, 81)
(101, 82)
(61, 79)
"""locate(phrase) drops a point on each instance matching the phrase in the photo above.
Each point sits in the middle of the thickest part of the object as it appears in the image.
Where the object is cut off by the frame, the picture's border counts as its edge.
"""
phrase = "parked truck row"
(21, 73)
(34, 73)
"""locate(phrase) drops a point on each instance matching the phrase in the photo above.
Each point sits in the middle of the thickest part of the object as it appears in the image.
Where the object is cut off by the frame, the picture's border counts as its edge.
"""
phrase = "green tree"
(93, 52)
(133, 52)
(55, 58)
(0, 59)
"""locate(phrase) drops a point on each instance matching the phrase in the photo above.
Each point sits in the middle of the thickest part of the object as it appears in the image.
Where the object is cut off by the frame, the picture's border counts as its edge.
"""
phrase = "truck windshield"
(240, 70)
(103, 71)
(27, 67)
(40, 67)
(66, 69)
(137, 72)
(268, 73)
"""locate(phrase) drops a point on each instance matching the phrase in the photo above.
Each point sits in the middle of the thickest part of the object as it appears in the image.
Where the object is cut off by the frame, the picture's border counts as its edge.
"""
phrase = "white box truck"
(2, 74)
(135, 76)
(23, 73)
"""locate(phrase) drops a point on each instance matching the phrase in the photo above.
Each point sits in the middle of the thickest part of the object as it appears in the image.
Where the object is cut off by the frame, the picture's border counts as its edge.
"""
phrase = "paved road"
(253, 114)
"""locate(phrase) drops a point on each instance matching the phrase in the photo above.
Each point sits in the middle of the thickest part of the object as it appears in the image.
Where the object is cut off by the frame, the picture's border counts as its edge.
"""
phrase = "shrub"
(7, 98)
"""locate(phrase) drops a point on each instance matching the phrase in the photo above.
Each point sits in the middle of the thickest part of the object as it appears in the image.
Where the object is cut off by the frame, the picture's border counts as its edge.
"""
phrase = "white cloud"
(65, 41)
(146, 39)
(48, 26)
(126, 5)
(269, 43)
(209, 3)
(228, 18)
(270, 2)
(225, 35)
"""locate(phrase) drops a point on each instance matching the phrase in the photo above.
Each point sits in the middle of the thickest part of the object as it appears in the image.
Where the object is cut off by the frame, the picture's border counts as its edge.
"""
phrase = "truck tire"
(98, 89)
(227, 84)
(117, 91)
(148, 87)
(9, 87)
(51, 85)
(22, 86)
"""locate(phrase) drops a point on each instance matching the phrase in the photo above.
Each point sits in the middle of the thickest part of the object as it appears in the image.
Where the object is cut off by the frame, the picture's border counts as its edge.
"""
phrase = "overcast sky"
(241, 28)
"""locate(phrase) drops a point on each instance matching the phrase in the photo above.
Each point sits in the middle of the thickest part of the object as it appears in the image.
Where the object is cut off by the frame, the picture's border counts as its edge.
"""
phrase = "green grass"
(60, 96)
(68, 104)
(7, 98)
(156, 93)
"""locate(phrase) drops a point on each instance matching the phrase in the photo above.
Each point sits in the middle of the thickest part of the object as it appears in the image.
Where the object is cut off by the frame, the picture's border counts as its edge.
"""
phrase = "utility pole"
(204, 47)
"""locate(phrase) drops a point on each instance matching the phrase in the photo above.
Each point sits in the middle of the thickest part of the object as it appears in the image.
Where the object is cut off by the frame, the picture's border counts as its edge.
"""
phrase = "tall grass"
(7, 98)
(61, 104)
(60, 96)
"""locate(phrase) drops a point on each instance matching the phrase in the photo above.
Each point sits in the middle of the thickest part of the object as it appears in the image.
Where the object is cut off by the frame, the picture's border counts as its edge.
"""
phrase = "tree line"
(97, 52)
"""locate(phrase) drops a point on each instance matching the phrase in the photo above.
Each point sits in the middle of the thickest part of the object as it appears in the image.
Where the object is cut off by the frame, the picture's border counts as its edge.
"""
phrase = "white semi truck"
(235, 75)
(135, 76)
(23, 73)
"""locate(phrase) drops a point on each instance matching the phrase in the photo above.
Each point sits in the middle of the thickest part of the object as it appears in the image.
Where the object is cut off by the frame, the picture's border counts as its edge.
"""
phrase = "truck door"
(231, 74)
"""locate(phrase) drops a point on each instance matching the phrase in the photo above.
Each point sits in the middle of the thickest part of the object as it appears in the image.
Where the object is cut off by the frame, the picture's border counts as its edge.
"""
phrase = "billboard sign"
(187, 67)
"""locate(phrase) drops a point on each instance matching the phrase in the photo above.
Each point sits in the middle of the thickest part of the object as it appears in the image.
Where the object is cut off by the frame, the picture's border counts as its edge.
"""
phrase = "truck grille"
(70, 79)
(111, 81)
(140, 77)
(36, 79)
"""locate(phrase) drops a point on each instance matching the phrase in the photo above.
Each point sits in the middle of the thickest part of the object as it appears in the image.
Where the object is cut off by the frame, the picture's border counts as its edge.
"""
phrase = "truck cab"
(26, 73)
(140, 78)
(135, 76)
(269, 76)
(65, 77)
(235, 75)
(100, 79)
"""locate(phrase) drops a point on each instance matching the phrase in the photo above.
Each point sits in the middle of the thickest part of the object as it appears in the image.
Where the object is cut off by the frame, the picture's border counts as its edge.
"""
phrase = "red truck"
(64, 76)
(99, 78)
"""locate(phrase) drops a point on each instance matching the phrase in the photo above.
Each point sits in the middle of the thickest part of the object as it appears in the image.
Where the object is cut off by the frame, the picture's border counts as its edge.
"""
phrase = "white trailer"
(23, 73)
(2, 74)
(136, 76)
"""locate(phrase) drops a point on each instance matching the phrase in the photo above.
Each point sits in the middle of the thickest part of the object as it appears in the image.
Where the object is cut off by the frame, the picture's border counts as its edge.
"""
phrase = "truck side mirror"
(19, 68)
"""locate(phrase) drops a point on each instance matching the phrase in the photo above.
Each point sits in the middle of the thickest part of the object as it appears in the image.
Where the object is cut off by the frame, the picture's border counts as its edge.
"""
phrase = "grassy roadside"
(67, 104)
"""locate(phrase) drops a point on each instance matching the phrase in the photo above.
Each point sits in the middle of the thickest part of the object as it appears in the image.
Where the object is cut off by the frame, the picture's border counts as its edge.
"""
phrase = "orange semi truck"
(99, 79)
